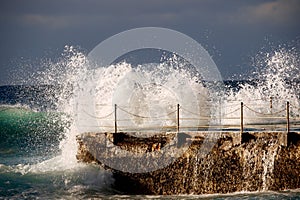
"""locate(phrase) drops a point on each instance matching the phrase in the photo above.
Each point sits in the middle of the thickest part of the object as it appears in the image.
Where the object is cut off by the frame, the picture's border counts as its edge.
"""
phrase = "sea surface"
(32, 166)
(39, 122)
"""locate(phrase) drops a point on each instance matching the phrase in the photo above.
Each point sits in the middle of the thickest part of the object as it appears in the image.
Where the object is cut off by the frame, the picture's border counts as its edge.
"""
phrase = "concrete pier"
(234, 161)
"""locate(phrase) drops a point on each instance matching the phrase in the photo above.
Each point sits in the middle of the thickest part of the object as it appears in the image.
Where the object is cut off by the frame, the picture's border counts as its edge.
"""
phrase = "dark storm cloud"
(68, 13)
(235, 28)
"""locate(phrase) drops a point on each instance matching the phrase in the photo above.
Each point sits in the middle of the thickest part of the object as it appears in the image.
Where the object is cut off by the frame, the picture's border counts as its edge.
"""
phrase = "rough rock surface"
(258, 163)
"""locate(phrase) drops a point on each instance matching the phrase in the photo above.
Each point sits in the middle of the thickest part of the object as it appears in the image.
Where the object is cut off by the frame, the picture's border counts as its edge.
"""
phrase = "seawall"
(253, 161)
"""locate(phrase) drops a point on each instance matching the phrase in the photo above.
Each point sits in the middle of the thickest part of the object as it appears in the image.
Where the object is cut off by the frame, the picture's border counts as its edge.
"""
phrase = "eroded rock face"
(258, 163)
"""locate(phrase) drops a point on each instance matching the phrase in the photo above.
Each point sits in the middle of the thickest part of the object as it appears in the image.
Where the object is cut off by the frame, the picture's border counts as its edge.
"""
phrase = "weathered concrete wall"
(259, 162)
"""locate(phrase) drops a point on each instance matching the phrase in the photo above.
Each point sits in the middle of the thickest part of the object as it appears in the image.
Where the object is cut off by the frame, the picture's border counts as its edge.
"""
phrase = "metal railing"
(246, 116)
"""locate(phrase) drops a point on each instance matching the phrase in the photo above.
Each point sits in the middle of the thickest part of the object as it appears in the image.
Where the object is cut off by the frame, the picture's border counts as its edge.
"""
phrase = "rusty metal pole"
(178, 107)
(288, 116)
(242, 117)
(116, 127)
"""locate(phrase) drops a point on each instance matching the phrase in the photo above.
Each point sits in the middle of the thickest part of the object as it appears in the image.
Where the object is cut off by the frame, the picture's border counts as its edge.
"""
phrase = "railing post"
(271, 104)
(178, 107)
(288, 116)
(116, 128)
(242, 117)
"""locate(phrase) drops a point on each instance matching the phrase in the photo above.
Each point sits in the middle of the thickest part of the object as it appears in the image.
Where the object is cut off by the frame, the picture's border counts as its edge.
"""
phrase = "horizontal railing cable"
(260, 113)
(102, 117)
(146, 117)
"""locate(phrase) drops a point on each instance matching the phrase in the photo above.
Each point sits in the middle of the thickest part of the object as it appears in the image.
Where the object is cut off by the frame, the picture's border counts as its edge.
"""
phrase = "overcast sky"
(232, 31)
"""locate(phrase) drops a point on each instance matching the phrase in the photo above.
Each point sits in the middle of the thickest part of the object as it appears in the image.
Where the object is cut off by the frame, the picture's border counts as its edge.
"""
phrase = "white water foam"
(105, 86)
(277, 76)
(166, 85)
(160, 87)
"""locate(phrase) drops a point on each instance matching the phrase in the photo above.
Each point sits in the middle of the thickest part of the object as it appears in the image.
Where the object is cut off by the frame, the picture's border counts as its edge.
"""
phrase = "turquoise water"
(27, 135)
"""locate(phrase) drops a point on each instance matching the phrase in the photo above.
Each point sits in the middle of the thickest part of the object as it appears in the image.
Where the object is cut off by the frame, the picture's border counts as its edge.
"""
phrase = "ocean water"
(39, 122)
